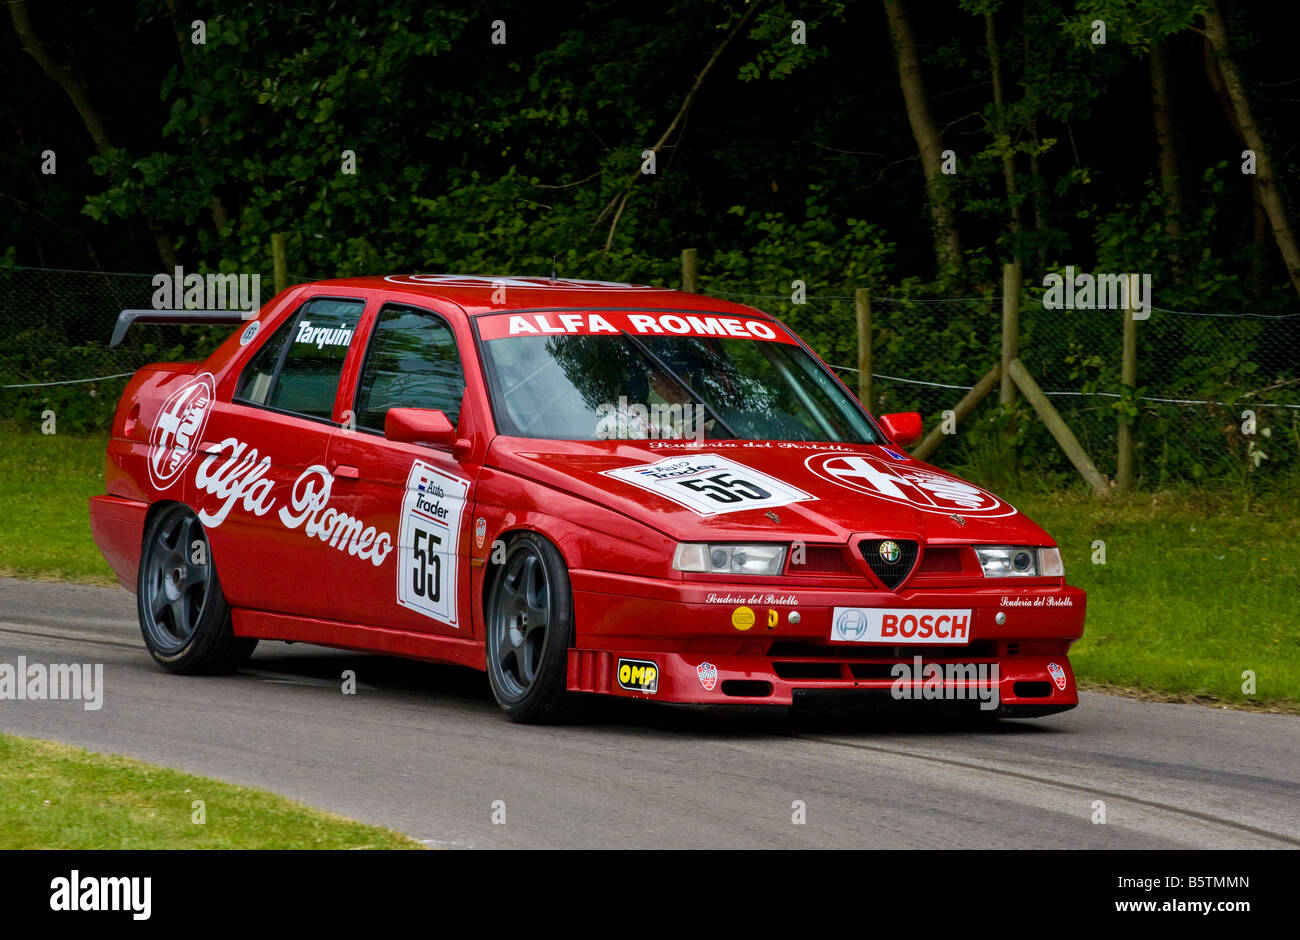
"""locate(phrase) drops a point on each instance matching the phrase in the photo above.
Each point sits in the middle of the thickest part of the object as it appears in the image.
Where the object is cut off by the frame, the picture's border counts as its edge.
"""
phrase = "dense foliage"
(780, 161)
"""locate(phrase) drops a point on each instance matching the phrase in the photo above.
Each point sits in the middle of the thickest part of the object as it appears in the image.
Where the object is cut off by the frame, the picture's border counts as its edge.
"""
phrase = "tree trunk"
(1217, 34)
(929, 141)
(62, 76)
(1000, 129)
(1171, 186)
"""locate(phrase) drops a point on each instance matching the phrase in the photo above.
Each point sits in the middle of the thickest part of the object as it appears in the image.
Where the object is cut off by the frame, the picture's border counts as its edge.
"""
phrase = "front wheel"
(529, 615)
(183, 614)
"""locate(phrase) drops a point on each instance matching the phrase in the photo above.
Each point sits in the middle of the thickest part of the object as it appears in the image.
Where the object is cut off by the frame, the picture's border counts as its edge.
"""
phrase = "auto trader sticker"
(432, 512)
(709, 484)
(178, 429)
(926, 490)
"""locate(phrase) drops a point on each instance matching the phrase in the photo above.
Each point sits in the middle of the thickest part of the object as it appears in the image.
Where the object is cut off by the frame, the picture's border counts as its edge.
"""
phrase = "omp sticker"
(709, 484)
(742, 618)
(926, 490)
(900, 626)
(638, 675)
(1058, 675)
(178, 429)
(432, 512)
(613, 322)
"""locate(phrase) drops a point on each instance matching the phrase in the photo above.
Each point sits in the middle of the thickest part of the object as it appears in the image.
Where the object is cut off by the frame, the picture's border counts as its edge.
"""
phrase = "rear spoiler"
(127, 317)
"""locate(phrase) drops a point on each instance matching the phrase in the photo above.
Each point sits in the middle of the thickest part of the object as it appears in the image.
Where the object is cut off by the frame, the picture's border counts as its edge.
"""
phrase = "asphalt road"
(424, 750)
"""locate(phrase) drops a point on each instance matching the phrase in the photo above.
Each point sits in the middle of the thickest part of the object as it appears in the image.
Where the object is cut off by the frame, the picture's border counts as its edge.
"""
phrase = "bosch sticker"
(432, 513)
(709, 484)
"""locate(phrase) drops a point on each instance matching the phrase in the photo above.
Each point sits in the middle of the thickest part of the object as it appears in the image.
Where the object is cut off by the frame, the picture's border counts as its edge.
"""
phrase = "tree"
(928, 137)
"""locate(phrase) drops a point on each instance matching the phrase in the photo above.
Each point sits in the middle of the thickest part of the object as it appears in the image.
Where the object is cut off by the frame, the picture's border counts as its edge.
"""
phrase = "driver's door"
(420, 497)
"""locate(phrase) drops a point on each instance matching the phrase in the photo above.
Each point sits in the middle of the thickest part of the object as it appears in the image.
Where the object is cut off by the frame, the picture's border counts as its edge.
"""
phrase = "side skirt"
(355, 636)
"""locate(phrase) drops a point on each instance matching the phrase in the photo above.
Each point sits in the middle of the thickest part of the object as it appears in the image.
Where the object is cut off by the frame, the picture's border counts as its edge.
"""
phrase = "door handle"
(344, 472)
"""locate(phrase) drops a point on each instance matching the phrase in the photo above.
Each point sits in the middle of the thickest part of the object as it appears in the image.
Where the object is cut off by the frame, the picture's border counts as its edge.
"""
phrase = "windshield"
(624, 381)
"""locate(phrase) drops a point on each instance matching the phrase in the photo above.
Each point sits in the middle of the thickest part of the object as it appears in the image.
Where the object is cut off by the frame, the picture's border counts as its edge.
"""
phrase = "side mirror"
(903, 428)
(419, 426)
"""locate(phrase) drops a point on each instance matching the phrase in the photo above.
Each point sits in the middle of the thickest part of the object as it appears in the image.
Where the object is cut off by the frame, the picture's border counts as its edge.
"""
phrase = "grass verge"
(45, 481)
(1194, 591)
(60, 797)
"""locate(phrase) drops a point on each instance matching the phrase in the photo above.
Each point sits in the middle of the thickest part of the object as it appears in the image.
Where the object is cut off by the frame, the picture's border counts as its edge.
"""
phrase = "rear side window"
(299, 367)
(412, 362)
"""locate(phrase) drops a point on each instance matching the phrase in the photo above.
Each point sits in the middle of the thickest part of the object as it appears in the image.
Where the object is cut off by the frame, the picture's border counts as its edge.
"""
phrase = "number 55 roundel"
(709, 484)
(432, 512)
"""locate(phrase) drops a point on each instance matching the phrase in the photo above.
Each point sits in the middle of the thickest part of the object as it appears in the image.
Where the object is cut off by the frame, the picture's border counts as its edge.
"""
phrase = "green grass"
(53, 796)
(45, 481)
(1196, 589)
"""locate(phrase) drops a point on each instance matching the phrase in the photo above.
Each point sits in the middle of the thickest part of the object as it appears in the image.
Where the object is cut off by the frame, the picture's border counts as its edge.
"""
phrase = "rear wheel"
(529, 615)
(183, 614)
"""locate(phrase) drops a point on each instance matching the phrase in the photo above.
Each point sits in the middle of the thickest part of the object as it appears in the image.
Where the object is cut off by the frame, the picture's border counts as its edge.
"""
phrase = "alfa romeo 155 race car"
(578, 487)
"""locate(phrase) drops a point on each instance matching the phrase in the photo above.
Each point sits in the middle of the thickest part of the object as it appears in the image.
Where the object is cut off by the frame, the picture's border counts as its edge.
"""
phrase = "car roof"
(480, 294)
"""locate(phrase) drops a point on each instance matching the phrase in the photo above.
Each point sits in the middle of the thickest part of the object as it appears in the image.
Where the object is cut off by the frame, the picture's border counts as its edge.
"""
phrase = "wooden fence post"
(1060, 430)
(1128, 378)
(923, 450)
(281, 266)
(862, 307)
(1010, 329)
(690, 271)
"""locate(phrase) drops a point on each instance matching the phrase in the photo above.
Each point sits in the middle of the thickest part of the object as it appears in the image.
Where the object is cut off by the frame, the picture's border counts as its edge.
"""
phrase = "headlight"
(729, 559)
(1008, 561)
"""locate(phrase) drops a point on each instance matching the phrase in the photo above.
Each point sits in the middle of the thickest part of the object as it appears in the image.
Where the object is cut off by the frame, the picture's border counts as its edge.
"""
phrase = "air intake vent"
(891, 560)
(819, 559)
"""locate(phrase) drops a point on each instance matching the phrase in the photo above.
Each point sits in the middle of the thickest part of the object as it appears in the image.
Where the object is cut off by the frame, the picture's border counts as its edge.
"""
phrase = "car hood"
(769, 491)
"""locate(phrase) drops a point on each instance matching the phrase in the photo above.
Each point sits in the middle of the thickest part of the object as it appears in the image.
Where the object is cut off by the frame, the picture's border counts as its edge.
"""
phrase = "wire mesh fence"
(1217, 396)
(1201, 375)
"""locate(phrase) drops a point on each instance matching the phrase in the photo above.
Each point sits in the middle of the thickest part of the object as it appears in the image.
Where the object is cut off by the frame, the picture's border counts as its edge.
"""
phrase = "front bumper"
(737, 645)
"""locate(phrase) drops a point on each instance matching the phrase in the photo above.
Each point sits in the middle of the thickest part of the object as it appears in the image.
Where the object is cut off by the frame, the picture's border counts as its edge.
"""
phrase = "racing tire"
(184, 617)
(529, 619)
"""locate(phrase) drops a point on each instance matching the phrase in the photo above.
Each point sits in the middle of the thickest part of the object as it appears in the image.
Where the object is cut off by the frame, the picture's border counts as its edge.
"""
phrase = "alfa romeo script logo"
(178, 429)
(926, 490)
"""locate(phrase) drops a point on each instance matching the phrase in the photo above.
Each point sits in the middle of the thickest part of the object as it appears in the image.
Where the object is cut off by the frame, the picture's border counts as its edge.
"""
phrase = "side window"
(298, 369)
(411, 363)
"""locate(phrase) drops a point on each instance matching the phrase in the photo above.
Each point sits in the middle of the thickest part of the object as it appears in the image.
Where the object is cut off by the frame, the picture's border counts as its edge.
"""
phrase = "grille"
(940, 561)
(891, 575)
(820, 559)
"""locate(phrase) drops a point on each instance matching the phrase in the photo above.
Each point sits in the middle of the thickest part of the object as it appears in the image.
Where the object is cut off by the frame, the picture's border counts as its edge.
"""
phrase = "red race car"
(580, 487)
